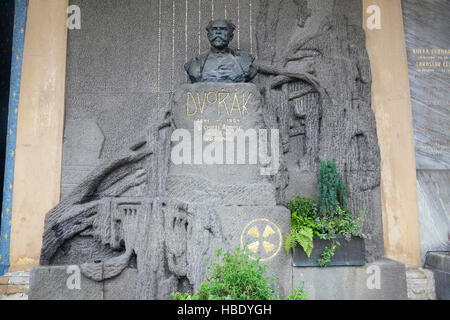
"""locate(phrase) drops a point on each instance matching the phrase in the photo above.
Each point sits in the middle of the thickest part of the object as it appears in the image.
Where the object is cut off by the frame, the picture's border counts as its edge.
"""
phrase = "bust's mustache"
(218, 37)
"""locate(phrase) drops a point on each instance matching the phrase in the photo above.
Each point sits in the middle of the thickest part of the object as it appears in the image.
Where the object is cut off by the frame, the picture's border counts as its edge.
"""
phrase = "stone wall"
(29, 221)
(426, 27)
(124, 63)
(14, 286)
(124, 101)
(127, 59)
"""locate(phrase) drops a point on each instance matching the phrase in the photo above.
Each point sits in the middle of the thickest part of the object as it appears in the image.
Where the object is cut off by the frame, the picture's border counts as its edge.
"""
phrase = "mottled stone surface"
(220, 107)
(420, 284)
(439, 263)
(351, 283)
(80, 135)
(137, 210)
(50, 283)
(318, 94)
(121, 288)
(186, 262)
(433, 187)
(127, 59)
(426, 28)
(14, 285)
(263, 229)
(122, 88)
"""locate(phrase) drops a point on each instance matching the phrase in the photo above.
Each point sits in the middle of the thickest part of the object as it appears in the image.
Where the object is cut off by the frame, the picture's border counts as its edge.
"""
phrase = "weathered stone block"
(232, 176)
(50, 283)
(263, 230)
(382, 280)
(420, 283)
(439, 263)
(433, 189)
(442, 280)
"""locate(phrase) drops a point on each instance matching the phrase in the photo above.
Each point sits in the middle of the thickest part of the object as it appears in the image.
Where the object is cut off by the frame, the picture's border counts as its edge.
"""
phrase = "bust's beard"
(220, 46)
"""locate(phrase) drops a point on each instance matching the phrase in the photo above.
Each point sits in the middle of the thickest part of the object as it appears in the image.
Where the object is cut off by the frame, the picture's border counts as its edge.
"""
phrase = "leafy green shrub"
(325, 218)
(181, 296)
(298, 294)
(234, 277)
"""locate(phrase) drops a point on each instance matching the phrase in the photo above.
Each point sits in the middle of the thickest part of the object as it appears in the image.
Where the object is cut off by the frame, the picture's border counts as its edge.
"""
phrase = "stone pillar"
(392, 105)
(40, 129)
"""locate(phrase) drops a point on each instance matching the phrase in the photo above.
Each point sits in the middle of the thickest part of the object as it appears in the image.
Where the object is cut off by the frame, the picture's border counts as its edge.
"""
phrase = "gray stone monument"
(141, 225)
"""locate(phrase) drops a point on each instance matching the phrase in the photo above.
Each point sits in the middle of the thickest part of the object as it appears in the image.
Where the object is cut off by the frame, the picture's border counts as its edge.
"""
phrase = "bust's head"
(220, 33)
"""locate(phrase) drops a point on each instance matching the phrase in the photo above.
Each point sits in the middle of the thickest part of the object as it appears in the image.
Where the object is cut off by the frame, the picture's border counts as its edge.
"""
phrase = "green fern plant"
(303, 213)
(303, 236)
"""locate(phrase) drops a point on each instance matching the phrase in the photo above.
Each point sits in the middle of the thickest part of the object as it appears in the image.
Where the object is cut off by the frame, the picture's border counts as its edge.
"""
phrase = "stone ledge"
(14, 285)
(16, 278)
(420, 284)
(351, 283)
(50, 283)
(13, 289)
(16, 296)
(340, 283)
(442, 285)
(439, 264)
(438, 260)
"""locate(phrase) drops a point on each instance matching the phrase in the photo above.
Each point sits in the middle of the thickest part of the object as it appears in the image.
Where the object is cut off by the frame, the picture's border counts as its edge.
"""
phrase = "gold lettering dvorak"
(235, 105)
(196, 103)
(189, 114)
(244, 103)
(222, 101)
(215, 97)
(200, 106)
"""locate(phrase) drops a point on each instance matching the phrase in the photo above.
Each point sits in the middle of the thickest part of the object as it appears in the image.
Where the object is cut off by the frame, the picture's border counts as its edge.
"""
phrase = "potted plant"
(328, 233)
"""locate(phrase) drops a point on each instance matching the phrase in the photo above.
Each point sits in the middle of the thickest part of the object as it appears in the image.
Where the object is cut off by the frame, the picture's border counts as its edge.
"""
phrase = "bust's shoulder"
(196, 62)
(194, 67)
(244, 57)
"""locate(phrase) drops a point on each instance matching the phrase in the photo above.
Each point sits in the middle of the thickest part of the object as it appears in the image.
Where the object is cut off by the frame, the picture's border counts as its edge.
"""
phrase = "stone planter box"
(350, 253)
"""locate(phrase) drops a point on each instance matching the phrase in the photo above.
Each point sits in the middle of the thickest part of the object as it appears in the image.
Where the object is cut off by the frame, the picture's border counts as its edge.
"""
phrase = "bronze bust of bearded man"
(221, 64)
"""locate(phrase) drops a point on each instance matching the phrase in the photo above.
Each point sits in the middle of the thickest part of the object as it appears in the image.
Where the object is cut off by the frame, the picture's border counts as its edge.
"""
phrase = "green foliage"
(298, 294)
(181, 296)
(325, 218)
(234, 277)
(306, 206)
(303, 228)
(327, 254)
(303, 236)
(332, 192)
